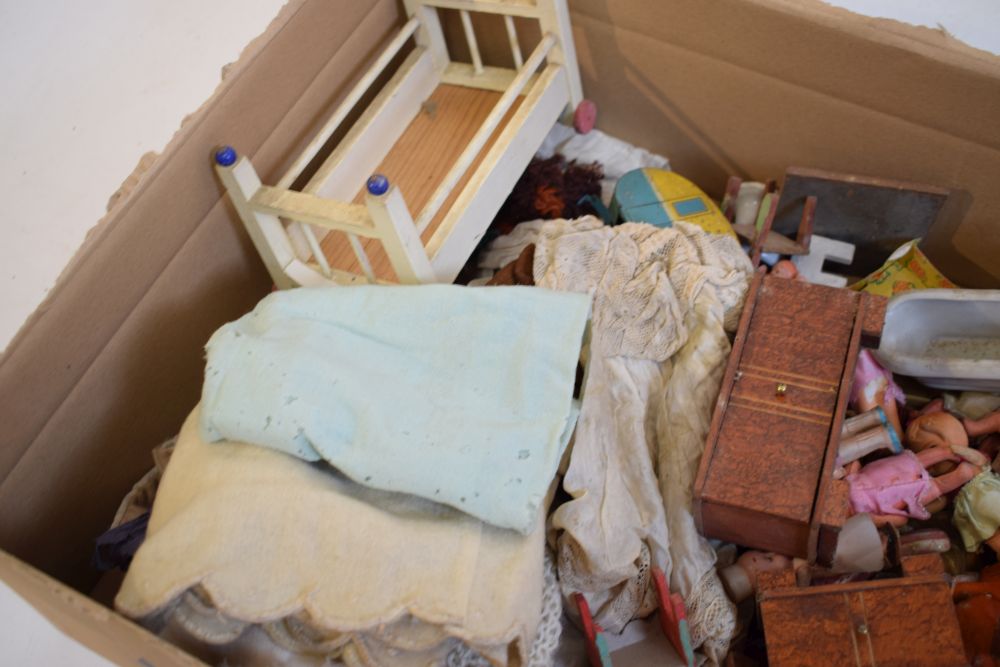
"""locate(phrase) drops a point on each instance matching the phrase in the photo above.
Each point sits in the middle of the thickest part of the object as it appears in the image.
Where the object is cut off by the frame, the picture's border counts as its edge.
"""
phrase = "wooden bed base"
(453, 136)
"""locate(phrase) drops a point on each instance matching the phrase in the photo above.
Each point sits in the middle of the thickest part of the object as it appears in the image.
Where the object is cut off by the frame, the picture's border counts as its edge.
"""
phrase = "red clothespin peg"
(597, 645)
(673, 618)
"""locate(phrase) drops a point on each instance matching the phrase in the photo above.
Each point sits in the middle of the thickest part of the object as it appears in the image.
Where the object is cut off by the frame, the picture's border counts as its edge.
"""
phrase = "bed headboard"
(432, 243)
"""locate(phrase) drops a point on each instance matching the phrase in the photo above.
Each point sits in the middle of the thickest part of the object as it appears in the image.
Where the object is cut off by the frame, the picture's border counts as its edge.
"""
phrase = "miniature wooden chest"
(767, 468)
(906, 621)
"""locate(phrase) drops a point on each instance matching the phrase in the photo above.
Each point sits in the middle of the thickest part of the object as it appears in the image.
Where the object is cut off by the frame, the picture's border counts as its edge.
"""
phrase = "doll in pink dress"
(897, 488)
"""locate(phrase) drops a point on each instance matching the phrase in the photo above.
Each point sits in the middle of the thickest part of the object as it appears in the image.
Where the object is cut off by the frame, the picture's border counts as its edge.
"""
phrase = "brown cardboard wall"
(752, 87)
(112, 362)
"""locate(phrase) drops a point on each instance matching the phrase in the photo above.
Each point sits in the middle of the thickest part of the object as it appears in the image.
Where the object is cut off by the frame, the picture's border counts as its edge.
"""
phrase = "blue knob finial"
(225, 156)
(378, 184)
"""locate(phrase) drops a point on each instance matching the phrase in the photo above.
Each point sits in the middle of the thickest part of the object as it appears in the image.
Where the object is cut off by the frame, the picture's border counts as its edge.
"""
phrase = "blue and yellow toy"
(661, 198)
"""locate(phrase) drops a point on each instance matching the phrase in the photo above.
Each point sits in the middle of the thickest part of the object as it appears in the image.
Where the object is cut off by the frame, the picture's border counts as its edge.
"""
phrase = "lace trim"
(546, 638)
(711, 617)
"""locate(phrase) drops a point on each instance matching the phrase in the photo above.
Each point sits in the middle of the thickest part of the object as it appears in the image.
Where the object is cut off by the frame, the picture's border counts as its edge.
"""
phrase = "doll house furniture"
(417, 179)
(907, 620)
(766, 478)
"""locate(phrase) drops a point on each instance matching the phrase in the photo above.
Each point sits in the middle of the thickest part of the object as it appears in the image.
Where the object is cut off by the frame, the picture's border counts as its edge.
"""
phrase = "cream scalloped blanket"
(267, 538)
(663, 299)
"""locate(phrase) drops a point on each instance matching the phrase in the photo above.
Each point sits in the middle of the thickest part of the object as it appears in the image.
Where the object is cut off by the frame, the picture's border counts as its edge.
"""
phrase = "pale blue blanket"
(459, 395)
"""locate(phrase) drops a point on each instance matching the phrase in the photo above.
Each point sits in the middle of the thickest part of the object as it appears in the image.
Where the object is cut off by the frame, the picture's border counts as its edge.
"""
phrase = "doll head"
(755, 562)
(785, 269)
(936, 429)
(740, 580)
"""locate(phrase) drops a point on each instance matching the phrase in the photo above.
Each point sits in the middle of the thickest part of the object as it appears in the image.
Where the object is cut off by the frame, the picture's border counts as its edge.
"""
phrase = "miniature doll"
(874, 388)
(977, 508)
(740, 579)
(862, 422)
(862, 435)
(899, 487)
(936, 429)
(786, 269)
(858, 445)
(988, 424)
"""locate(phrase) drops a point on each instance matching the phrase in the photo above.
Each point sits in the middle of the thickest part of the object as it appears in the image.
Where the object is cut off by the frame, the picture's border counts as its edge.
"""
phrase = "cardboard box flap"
(89, 623)
(747, 88)
(947, 86)
(112, 362)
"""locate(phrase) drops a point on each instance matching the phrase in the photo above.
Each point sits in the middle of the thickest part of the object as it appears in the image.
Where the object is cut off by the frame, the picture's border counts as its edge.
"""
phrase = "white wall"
(91, 86)
(975, 22)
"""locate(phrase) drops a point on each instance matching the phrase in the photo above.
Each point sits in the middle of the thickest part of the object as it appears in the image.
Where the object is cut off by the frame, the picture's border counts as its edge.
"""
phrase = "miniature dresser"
(904, 621)
(765, 479)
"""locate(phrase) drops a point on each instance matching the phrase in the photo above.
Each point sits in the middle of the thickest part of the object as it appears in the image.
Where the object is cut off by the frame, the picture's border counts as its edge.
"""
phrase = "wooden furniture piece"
(876, 215)
(906, 621)
(759, 234)
(977, 605)
(765, 479)
(453, 136)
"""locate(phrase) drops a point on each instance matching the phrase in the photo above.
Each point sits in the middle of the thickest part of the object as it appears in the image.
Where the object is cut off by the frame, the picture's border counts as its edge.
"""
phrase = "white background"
(89, 87)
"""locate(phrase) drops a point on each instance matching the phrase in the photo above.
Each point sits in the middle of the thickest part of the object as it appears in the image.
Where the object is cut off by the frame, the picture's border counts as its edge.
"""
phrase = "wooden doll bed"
(450, 138)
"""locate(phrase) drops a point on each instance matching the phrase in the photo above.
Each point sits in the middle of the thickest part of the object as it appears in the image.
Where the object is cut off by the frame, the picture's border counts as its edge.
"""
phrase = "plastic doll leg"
(950, 481)
(973, 456)
(988, 424)
(936, 505)
(932, 455)
(888, 404)
(889, 520)
(994, 542)
(861, 444)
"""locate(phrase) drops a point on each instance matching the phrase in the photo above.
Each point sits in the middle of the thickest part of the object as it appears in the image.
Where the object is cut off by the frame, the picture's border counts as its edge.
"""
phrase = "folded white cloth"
(459, 395)
(265, 538)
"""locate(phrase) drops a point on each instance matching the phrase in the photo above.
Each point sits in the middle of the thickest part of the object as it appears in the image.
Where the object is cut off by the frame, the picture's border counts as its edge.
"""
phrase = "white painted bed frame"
(292, 252)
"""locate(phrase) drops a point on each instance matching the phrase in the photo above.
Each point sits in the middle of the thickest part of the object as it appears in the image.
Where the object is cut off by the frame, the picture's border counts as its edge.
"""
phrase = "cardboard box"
(112, 361)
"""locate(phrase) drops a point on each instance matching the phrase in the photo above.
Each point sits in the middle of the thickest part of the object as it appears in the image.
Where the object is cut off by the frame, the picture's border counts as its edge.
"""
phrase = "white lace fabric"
(546, 642)
(663, 299)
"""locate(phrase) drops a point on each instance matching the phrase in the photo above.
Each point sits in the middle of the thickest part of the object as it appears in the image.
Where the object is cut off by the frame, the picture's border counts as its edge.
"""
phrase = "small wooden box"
(908, 621)
(767, 469)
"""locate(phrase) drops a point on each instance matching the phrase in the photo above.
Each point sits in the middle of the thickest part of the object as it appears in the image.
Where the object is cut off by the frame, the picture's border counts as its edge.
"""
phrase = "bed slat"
(347, 168)
(512, 7)
(515, 44)
(305, 207)
(345, 107)
(483, 194)
(470, 38)
(483, 134)
(491, 78)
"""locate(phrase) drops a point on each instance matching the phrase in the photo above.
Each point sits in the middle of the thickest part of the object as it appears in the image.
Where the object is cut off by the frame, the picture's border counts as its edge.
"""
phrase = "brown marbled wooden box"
(766, 471)
(907, 621)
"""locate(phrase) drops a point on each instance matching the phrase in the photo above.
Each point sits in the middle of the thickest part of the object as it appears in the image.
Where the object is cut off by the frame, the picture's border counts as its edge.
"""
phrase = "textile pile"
(428, 475)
